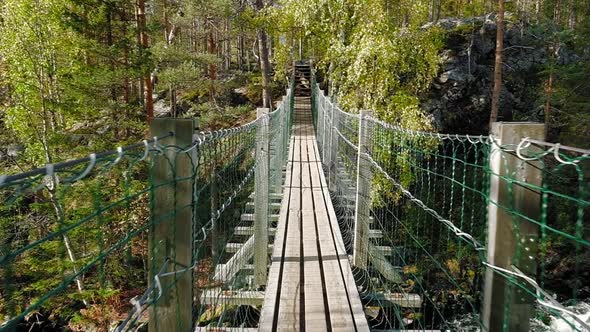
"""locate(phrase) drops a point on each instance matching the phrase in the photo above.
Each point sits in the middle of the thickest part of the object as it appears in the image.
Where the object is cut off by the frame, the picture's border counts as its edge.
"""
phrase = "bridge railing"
(447, 229)
(144, 228)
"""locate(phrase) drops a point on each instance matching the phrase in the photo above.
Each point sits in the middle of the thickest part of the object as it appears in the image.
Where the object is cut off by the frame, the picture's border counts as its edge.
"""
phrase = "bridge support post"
(364, 178)
(327, 133)
(279, 142)
(261, 199)
(511, 239)
(333, 165)
(171, 236)
(322, 105)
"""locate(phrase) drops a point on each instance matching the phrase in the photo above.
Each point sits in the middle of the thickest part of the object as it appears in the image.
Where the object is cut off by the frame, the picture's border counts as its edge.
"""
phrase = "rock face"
(460, 97)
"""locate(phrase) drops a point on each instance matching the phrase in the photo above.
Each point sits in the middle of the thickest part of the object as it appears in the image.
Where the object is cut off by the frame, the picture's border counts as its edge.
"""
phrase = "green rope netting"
(429, 199)
(84, 234)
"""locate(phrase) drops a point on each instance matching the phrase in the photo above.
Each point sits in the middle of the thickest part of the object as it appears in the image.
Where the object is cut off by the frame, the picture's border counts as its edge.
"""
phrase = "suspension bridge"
(308, 218)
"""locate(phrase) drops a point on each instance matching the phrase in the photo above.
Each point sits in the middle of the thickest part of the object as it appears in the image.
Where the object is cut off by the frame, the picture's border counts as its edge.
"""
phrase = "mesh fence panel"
(427, 234)
(94, 222)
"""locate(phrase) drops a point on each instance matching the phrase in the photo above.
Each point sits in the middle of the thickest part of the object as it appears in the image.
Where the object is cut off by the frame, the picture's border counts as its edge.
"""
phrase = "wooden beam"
(218, 296)
(226, 272)
(381, 264)
(232, 247)
(404, 300)
(505, 305)
(245, 230)
(261, 184)
(252, 217)
(172, 235)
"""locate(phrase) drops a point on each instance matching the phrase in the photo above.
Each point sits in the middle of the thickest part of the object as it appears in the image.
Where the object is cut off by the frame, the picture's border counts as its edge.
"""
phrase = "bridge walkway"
(311, 285)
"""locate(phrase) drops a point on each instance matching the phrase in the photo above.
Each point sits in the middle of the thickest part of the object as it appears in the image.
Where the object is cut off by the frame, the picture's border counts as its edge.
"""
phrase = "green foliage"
(380, 62)
(567, 68)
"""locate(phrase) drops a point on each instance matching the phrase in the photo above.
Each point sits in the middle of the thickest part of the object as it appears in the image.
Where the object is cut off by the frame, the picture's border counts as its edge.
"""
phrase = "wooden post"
(327, 136)
(507, 307)
(279, 149)
(285, 123)
(261, 200)
(334, 138)
(364, 178)
(288, 116)
(320, 117)
(171, 235)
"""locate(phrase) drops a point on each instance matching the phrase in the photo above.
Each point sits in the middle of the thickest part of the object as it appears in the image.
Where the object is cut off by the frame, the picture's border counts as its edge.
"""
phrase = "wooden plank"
(248, 230)
(272, 196)
(403, 300)
(252, 216)
(235, 247)
(224, 329)
(289, 302)
(315, 316)
(318, 169)
(297, 150)
(406, 330)
(313, 157)
(340, 310)
(305, 176)
(226, 272)
(218, 296)
(350, 284)
(270, 299)
(289, 306)
(274, 206)
(288, 317)
(340, 315)
(381, 264)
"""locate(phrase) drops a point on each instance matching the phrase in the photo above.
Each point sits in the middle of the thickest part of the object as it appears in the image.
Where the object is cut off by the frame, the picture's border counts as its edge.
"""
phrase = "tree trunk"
(109, 17)
(270, 47)
(240, 50)
(438, 9)
(549, 93)
(553, 51)
(498, 64)
(66, 238)
(212, 49)
(127, 85)
(165, 18)
(264, 67)
(227, 43)
(144, 44)
(264, 62)
(172, 101)
(51, 188)
(573, 17)
(247, 60)
(558, 11)
(169, 35)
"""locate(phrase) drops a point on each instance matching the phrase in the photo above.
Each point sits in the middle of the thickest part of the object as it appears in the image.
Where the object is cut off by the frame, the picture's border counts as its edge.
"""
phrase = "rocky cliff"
(459, 99)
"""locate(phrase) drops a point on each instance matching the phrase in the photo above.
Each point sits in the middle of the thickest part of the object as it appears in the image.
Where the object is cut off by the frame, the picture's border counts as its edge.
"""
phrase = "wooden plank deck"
(311, 286)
